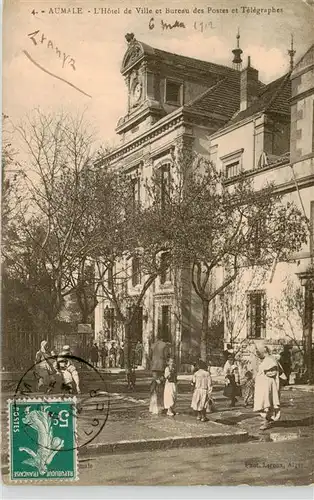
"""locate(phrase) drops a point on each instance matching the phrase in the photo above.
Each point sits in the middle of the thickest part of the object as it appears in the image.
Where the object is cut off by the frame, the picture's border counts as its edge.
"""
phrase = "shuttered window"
(256, 314)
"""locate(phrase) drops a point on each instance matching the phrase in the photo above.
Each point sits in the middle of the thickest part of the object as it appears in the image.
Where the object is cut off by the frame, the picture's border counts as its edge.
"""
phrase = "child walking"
(232, 387)
(248, 389)
(170, 390)
(203, 387)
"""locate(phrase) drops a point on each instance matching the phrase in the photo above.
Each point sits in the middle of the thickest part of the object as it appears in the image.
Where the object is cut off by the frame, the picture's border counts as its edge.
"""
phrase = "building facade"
(228, 115)
(270, 139)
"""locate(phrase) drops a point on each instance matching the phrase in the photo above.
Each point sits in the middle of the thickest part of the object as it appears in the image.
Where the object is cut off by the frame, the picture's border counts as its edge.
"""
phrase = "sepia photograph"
(157, 225)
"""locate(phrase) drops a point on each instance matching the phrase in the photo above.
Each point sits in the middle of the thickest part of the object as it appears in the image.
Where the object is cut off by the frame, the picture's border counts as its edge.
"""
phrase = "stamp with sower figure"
(42, 439)
(47, 430)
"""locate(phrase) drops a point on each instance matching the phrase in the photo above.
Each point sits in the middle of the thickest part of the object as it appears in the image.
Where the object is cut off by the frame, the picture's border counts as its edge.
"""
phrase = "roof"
(222, 98)
(306, 61)
(137, 50)
(274, 98)
(191, 62)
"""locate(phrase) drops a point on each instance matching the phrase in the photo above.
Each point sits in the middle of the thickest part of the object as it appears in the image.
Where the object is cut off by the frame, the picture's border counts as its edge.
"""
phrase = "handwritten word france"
(39, 38)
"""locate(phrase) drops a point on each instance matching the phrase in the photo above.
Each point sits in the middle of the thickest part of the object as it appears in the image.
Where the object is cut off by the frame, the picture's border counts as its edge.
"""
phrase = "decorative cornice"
(308, 156)
(302, 182)
(164, 295)
(301, 71)
(168, 148)
(173, 120)
(228, 156)
(284, 188)
(302, 95)
(170, 121)
(233, 126)
(255, 171)
(148, 108)
(157, 130)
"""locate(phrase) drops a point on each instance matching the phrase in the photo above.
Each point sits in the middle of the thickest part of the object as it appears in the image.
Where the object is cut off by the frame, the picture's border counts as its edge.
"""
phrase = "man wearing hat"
(68, 371)
(44, 368)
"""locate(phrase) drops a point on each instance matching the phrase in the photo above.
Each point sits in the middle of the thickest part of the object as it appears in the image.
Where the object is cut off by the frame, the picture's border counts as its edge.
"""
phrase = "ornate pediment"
(133, 54)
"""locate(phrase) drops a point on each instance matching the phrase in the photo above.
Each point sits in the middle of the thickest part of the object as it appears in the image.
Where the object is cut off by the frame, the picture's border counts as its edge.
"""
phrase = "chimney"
(249, 85)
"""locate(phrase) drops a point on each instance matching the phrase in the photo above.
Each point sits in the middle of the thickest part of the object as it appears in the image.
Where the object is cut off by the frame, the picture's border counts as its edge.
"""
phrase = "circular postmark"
(87, 411)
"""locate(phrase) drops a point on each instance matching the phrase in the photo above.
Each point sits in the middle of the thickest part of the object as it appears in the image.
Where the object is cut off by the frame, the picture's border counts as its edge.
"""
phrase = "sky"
(93, 43)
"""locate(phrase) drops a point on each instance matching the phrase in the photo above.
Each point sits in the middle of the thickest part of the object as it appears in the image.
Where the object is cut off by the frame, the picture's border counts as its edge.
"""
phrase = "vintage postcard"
(157, 243)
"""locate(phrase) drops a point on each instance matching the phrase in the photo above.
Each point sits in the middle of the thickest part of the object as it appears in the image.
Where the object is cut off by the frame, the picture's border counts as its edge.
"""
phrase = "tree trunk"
(84, 316)
(127, 346)
(50, 329)
(50, 337)
(204, 332)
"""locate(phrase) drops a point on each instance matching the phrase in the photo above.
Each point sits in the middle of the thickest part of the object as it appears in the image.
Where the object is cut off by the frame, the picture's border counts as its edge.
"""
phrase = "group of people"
(263, 392)
(111, 354)
(53, 369)
(164, 390)
(107, 355)
(164, 383)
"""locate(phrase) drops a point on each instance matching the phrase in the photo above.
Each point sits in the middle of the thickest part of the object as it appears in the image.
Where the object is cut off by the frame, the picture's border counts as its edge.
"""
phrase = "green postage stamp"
(42, 439)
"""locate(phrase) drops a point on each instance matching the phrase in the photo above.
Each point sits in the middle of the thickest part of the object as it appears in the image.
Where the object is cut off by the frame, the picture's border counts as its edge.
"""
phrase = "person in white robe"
(267, 390)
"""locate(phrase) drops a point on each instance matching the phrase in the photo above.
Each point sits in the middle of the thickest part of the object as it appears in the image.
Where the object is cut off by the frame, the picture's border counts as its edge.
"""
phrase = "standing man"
(227, 352)
(44, 368)
(122, 355)
(158, 363)
(286, 362)
(232, 380)
(112, 356)
(103, 355)
(94, 355)
(66, 368)
(138, 353)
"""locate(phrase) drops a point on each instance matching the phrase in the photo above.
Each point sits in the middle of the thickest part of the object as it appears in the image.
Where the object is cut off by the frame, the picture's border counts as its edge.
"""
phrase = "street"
(135, 447)
(282, 463)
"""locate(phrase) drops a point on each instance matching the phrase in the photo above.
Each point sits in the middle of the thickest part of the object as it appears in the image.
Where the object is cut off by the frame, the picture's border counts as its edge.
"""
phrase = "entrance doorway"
(164, 323)
(137, 325)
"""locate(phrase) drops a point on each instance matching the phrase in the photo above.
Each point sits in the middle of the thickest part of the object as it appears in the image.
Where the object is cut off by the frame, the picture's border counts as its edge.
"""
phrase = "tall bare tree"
(213, 225)
(12, 175)
(74, 208)
(288, 315)
(140, 240)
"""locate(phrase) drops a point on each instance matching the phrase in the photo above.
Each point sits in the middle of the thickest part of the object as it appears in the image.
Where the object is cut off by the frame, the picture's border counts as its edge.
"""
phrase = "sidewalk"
(226, 425)
(145, 432)
(303, 388)
(131, 427)
(156, 432)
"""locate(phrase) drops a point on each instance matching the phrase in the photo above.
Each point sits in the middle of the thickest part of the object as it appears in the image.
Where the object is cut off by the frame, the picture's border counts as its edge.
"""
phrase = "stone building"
(271, 139)
(226, 114)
